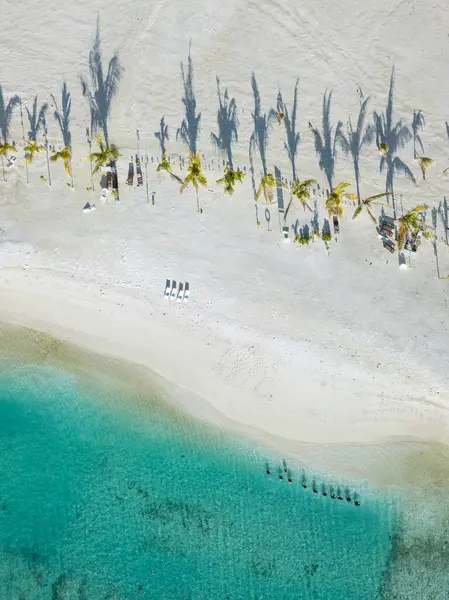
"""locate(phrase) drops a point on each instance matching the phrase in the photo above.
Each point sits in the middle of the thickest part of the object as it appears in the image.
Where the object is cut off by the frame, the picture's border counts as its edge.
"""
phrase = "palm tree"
(230, 178)
(6, 113)
(227, 124)
(417, 125)
(164, 165)
(367, 203)
(267, 185)
(410, 225)
(31, 149)
(103, 88)
(65, 155)
(325, 143)
(424, 162)
(301, 191)
(104, 154)
(262, 124)
(356, 139)
(194, 176)
(390, 137)
(4, 149)
(162, 135)
(293, 137)
(335, 197)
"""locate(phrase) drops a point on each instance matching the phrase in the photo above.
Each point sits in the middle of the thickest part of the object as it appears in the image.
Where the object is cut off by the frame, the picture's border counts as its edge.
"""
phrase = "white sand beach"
(338, 347)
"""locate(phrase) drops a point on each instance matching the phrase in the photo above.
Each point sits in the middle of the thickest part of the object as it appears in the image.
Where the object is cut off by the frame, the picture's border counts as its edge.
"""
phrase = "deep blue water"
(98, 501)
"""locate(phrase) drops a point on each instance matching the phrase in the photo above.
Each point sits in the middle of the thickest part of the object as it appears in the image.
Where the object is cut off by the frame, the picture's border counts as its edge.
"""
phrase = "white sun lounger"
(173, 291)
(186, 292)
(11, 162)
(167, 289)
(180, 295)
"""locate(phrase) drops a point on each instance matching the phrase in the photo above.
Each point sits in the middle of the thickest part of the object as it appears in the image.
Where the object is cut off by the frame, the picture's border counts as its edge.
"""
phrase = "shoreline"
(391, 465)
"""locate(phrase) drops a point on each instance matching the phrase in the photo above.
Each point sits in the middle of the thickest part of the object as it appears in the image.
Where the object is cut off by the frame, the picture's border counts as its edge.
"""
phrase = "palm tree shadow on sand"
(228, 123)
(293, 137)
(62, 115)
(262, 124)
(102, 87)
(325, 143)
(190, 126)
(390, 137)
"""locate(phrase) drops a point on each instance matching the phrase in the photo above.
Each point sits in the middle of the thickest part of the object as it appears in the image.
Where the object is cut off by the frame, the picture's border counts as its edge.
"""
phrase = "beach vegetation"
(31, 149)
(195, 177)
(4, 149)
(104, 155)
(230, 178)
(266, 186)
(165, 165)
(65, 155)
(424, 163)
(301, 191)
(411, 225)
(367, 203)
(335, 197)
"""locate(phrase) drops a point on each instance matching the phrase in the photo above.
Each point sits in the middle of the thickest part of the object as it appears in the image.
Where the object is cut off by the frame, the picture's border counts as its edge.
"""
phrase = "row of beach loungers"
(173, 291)
(130, 178)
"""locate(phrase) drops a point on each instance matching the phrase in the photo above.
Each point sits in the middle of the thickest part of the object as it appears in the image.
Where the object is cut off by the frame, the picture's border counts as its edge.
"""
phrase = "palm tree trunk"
(23, 135)
(71, 170)
(48, 161)
(357, 179)
(90, 160)
(3, 167)
(414, 146)
(197, 200)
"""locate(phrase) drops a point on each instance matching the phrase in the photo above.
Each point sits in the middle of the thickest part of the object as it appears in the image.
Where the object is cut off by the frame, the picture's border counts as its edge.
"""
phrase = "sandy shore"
(318, 352)
(281, 349)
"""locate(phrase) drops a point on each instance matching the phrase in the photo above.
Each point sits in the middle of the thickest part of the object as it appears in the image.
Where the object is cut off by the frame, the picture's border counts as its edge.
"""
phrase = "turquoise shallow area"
(97, 503)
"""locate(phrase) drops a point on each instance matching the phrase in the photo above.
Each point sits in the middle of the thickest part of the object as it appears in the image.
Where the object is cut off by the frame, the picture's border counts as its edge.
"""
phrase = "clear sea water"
(99, 502)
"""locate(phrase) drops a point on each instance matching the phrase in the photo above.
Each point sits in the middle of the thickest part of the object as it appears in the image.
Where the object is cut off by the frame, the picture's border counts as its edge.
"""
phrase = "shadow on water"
(356, 139)
(162, 136)
(62, 115)
(390, 137)
(190, 126)
(262, 124)
(325, 142)
(103, 87)
(36, 119)
(293, 137)
(227, 124)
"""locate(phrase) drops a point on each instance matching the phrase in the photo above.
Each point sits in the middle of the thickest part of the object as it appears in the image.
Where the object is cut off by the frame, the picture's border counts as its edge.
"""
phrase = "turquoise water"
(102, 503)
